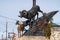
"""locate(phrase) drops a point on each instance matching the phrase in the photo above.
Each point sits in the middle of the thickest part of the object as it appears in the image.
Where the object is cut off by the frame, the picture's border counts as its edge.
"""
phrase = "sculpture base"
(33, 38)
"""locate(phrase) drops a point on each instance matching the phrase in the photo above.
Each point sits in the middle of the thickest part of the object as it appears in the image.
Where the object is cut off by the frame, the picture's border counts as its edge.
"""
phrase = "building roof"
(55, 25)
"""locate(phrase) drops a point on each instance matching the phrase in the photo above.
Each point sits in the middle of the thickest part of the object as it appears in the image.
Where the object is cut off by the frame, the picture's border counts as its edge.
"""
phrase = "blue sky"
(11, 8)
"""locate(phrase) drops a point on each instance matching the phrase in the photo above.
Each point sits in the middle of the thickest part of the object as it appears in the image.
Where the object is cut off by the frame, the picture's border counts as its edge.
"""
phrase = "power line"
(8, 18)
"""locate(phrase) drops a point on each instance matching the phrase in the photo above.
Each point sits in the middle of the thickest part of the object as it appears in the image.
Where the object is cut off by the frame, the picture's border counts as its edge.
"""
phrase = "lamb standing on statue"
(20, 28)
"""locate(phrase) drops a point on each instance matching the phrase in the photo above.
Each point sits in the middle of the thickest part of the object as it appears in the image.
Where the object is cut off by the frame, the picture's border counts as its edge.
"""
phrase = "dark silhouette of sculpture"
(30, 14)
(38, 26)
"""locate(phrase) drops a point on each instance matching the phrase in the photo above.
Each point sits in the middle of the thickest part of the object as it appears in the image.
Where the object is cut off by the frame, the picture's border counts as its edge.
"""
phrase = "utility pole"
(34, 2)
(6, 29)
(2, 36)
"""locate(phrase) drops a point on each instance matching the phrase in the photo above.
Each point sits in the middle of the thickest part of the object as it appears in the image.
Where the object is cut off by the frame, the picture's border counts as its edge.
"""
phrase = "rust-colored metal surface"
(40, 24)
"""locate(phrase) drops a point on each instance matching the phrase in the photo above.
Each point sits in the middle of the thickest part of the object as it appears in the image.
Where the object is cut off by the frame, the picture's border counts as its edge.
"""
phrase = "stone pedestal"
(32, 38)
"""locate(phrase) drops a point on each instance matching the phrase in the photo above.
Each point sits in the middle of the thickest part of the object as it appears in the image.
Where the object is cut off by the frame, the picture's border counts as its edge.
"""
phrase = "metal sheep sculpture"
(30, 14)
